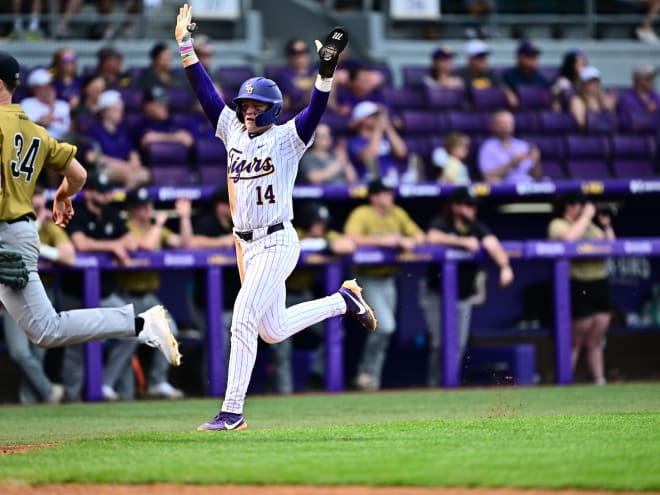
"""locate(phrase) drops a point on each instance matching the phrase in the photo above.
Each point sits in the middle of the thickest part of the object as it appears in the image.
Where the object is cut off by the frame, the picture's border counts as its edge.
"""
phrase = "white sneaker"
(164, 390)
(648, 36)
(109, 393)
(156, 333)
(56, 394)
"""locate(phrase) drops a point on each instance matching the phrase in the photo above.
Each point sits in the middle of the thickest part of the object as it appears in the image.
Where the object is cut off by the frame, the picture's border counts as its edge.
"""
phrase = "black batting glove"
(330, 50)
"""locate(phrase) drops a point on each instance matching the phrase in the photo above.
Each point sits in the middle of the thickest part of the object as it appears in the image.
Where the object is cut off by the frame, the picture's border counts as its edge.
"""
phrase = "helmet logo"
(249, 88)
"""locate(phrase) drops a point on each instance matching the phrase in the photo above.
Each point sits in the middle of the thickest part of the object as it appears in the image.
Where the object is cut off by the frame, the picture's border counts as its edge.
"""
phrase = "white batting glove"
(184, 24)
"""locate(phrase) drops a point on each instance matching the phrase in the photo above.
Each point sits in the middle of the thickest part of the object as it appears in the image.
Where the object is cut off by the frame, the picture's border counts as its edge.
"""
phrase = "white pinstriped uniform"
(260, 176)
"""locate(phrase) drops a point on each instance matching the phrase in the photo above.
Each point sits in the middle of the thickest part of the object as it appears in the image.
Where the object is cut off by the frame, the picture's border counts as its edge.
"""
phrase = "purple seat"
(231, 76)
(633, 156)
(526, 121)
(404, 98)
(413, 74)
(422, 146)
(170, 176)
(557, 122)
(640, 122)
(602, 123)
(424, 122)
(131, 119)
(337, 123)
(132, 98)
(534, 97)
(552, 154)
(181, 99)
(166, 154)
(213, 175)
(445, 99)
(273, 71)
(587, 157)
(469, 122)
(211, 151)
(489, 99)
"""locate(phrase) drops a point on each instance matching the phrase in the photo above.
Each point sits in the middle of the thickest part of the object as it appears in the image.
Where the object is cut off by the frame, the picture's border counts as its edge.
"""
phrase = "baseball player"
(25, 149)
(262, 167)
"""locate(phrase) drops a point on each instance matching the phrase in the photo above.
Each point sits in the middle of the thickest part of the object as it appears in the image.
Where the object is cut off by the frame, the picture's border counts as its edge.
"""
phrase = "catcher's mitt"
(13, 271)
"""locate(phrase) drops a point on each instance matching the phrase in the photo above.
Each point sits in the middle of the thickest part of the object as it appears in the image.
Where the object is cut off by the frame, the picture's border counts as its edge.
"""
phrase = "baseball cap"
(109, 99)
(378, 185)
(107, 52)
(97, 182)
(474, 48)
(443, 52)
(363, 110)
(527, 47)
(9, 68)
(157, 94)
(588, 73)
(137, 197)
(39, 77)
(312, 212)
(645, 70)
(463, 196)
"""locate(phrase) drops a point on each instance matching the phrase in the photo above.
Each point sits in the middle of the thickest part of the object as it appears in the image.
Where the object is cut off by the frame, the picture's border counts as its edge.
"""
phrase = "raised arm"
(200, 81)
(328, 51)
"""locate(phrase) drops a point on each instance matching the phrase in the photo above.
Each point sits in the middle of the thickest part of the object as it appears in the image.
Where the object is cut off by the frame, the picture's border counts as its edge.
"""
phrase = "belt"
(23, 218)
(248, 235)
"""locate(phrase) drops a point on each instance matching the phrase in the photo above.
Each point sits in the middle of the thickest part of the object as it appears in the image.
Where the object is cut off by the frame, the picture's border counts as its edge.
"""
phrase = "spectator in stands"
(591, 97)
(204, 49)
(324, 163)
(110, 68)
(568, 79)
(103, 29)
(113, 150)
(590, 291)
(373, 78)
(140, 287)
(159, 72)
(450, 159)
(383, 224)
(642, 98)
(33, 31)
(157, 124)
(98, 227)
(84, 114)
(68, 84)
(441, 74)
(526, 72)
(458, 227)
(376, 149)
(359, 88)
(311, 223)
(478, 75)
(44, 108)
(297, 78)
(504, 158)
(35, 385)
(645, 31)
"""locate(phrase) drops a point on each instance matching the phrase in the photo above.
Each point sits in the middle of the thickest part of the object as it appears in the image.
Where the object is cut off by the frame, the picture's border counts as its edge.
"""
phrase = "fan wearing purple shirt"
(114, 150)
(360, 88)
(642, 98)
(504, 158)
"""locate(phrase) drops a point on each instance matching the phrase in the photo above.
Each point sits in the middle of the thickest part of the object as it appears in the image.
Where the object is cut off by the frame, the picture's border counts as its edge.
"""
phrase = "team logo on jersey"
(240, 169)
(249, 88)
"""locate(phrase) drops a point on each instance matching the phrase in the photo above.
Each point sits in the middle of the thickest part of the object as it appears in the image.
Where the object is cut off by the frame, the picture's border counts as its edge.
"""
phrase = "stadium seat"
(169, 163)
(413, 75)
(469, 122)
(534, 97)
(526, 121)
(602, 123)
(337, 123)
(181, 99)
(633, 156)
(404, 98)
(640, 122)
(211, 151)
(273, 71)
(132, 97)
(587, 157)
(489, 99)
(232, 76)
(552, 154)
(424, 122)
(557, 122)
(444, 99)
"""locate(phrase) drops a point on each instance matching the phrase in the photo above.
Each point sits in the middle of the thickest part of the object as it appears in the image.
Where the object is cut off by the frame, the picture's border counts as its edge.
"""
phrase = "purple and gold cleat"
(224, 421)
(357, 306)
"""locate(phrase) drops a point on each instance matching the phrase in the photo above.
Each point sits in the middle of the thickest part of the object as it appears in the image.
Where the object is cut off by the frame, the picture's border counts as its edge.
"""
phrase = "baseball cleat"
(357, 306)
(224, 421)
(157, 333)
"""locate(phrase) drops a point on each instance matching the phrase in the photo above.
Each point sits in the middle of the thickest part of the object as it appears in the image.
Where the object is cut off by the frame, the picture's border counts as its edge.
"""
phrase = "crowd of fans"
(120, 117)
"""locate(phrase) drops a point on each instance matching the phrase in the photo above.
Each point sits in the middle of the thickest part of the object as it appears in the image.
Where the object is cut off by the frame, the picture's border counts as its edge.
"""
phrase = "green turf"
(556, 437)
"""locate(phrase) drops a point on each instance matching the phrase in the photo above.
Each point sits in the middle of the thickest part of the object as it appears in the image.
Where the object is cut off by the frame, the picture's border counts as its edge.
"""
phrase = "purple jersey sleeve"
(310, 116)
(211, 101)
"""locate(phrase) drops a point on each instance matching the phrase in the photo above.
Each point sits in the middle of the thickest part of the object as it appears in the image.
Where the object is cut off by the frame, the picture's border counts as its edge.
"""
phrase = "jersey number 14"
(265, 195)
(24, 163)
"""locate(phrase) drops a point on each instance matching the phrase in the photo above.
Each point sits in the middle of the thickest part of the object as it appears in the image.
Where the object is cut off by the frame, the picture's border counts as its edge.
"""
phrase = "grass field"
(544, 437)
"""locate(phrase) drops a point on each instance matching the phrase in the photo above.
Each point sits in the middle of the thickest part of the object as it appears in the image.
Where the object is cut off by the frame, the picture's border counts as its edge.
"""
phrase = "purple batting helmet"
(264, 90)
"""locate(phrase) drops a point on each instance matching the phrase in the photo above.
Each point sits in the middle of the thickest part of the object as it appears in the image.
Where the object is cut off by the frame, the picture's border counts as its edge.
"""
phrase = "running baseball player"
(262, 166)
(25, 149)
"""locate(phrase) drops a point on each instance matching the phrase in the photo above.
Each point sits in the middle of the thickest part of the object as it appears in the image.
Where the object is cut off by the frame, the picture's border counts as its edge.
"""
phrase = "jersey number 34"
(24, 163)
